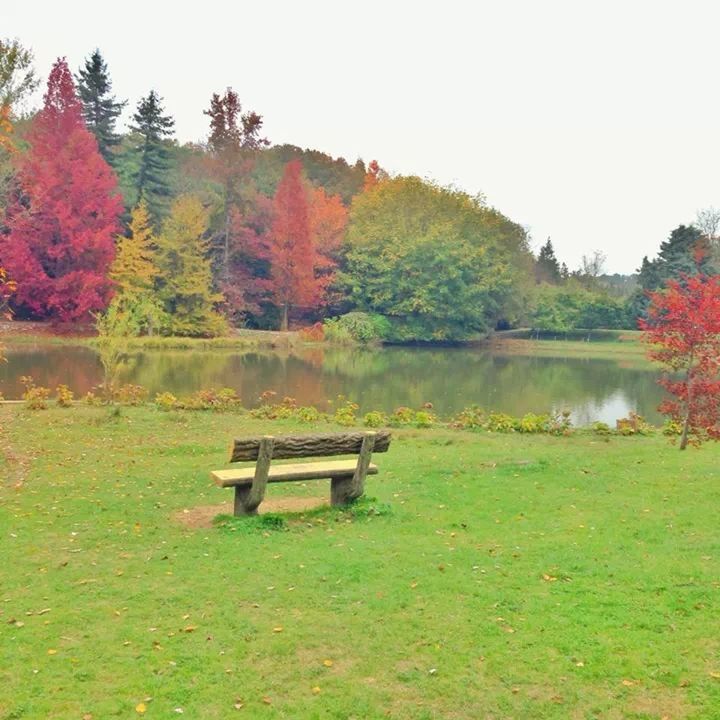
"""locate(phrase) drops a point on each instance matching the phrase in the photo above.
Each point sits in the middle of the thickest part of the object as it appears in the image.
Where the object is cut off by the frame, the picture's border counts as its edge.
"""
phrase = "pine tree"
(100, 108)
(547, 268)
(61, 226)
(153, 128)
(134, 269)
(185, 279)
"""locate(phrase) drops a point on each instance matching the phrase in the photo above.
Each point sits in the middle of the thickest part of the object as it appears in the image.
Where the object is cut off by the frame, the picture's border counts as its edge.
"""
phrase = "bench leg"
(243, 501)
(341, 491)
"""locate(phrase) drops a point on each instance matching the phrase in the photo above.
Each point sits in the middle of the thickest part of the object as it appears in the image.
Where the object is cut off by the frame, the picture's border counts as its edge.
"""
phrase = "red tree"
(683, 329)
(293, 256)
(62, 224)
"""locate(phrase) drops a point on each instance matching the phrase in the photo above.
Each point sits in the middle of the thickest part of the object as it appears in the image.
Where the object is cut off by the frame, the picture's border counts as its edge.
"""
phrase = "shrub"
(471, 418)
(166, 401)
(225, 399)
(560, 423)
(35, 397)
(64, 396)
(308, 414)
(425, 419)
(501, 422)
(313, 333)
(671, 427)
(130, 394)
(357, 327)
(633, 424)
(532, 423)
(375, 419)
(92, 399)
(601, 428)
(402, 416)
(346, 414)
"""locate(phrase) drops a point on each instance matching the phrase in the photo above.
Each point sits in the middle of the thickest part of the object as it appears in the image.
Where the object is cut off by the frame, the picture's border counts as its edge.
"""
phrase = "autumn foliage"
(683, 331)
(64, 217)
(294, 257)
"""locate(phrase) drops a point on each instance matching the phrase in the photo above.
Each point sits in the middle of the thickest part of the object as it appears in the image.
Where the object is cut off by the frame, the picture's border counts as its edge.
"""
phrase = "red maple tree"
(683, 330)
(65, 215)
(294, 282)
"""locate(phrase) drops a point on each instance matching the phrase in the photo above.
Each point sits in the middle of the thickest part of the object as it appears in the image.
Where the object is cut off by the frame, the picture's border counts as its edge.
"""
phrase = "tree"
(683, 331)
(134, 272)
(61, 225)
(547, 268)
(150, 177)
(185, 277)
(7, 288)
(100, 108)
(436, 261)
(17, 76)
(293, 257)
(233, 139)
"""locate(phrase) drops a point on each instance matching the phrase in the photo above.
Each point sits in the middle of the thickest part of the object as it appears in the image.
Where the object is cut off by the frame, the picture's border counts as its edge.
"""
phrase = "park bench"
(347, 477)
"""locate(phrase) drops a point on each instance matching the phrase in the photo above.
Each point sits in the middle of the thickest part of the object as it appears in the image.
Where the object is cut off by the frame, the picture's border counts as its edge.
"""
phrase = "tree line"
(195, 238)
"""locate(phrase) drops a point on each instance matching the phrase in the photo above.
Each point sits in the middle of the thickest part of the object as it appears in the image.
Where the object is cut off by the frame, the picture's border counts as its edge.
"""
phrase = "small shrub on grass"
(166, 401)
(501, 422)
(471, 418)
(346, 414)
(64, 396)
(633, 424)
(130, 394)
(401, 416)
(671, 428)
(375, 419)
(560, 423)
(425, 419)
(308, 414)
(36, 398)
(220, 400)
(533, 424)
(601, 428)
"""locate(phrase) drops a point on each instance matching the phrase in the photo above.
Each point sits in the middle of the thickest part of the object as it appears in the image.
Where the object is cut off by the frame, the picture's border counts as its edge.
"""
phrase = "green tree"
(185, 277)
(152, 128)
(437, 262)
(547, 268)
(100, 108)
(17, 75)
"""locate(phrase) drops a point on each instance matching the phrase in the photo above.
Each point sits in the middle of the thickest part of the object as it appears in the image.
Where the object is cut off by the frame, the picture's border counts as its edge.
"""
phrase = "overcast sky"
(595, 123)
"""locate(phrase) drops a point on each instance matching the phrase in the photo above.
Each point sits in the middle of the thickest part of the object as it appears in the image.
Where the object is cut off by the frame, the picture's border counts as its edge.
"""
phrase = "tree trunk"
(686, 423)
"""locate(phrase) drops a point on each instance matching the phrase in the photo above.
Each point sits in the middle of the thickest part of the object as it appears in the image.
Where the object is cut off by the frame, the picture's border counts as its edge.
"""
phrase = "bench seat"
(291, 472)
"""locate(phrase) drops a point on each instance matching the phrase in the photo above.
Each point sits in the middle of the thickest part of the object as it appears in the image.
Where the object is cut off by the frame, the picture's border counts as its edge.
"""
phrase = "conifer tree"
(547, 267)
(100, 108)
(185, 278)
(153, 128)
(61, 226)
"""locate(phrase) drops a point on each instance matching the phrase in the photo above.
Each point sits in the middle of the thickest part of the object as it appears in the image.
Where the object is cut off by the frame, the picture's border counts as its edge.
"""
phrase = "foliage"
(17, 76)
(61, 227)
(100, 108)
(547, 267)
(357, 327)
(35, 396)
(295, 264)
(683, 331)
(151, 128)
(434, 260)
(375, 419)
(346, 413)
(633, 424)
(185, 279)
(64, 396)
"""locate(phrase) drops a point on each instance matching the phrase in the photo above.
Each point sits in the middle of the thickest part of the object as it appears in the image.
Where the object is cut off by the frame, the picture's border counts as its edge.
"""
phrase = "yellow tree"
(134, 270)
(185, 279)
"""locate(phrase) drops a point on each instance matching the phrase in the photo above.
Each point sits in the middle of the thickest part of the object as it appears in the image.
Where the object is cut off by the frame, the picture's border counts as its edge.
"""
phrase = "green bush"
(471, 418)
(356, 327)
(375, 419)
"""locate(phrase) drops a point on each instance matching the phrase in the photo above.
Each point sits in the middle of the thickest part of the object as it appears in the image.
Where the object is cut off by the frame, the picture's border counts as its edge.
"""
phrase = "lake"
(450, 378)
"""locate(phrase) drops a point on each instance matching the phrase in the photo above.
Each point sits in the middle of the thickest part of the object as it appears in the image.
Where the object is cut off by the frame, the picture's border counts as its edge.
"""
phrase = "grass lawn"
(513, 577)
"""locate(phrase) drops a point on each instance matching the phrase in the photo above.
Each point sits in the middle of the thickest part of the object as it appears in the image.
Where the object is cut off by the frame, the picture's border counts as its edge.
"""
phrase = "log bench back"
(347, 478)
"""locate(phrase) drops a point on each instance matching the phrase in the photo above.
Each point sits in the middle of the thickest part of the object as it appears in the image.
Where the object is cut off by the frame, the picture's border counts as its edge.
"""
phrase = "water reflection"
(450, 378)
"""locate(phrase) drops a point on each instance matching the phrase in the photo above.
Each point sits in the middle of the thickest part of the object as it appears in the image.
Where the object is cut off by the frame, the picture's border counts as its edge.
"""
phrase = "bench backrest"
(302, 446)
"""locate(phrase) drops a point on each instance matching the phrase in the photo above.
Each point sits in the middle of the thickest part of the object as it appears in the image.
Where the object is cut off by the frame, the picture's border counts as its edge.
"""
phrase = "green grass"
(494, 576)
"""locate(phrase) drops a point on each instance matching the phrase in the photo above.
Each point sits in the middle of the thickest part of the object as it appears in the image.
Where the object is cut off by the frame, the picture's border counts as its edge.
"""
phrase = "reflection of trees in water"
(450, 378)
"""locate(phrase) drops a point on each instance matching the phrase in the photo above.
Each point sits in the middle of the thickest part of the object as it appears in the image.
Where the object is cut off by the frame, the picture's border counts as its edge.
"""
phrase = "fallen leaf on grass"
(316, 690)
(628, 683)
(328, 663)
(141, 708)
(52, 651)
(278, 629)
(267, 700)
(715, 675)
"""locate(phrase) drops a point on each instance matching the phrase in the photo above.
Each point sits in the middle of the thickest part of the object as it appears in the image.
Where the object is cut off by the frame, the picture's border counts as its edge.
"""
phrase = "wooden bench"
(347, 477)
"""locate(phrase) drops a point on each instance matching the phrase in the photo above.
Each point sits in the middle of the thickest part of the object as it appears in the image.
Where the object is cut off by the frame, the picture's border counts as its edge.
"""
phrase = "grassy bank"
(506, 576)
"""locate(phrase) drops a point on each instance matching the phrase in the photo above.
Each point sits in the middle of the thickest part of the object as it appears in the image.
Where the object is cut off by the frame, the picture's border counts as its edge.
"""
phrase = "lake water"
(383, 379)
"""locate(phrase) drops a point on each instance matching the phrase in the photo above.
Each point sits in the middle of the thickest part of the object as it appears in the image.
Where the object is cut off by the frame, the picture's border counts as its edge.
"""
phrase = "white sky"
(593, 122)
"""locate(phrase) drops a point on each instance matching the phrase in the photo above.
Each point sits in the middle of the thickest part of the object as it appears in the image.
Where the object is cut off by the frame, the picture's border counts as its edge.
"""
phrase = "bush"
(375, 419)
(601, 428)
(671, 427)
(633, 424)
(356, 327)
(346, 414)
(560, 423)
(401, 416)
(501, 422)
(532, 423)
(35, 397)
(313, 333)
(471, 418)
(130, 394)
(425, 419)
(166, 401)
(64, 396)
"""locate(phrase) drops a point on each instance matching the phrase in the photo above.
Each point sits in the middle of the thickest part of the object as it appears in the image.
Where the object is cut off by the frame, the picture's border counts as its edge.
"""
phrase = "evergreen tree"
(185, 278)
(134, 270)
(100, 109)
(547, 268)
(150, 177)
